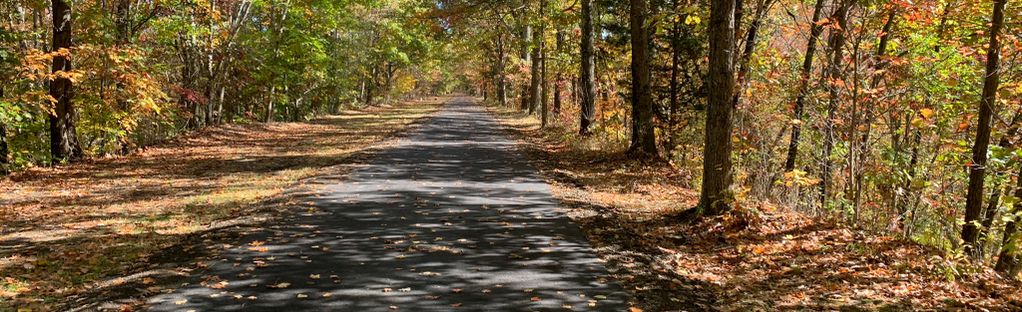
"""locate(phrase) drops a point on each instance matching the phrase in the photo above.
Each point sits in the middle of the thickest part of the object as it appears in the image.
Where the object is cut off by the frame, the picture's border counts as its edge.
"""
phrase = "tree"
(1009, 260)
(835, 84)
(977, 168)
(559, 41)
(535, 75)
(643, 137)
(63, 136)
(715, 195)
(587, 70)
(526, 38)
(544, 83)
(501, 83)
(4, 148)
(815, 29)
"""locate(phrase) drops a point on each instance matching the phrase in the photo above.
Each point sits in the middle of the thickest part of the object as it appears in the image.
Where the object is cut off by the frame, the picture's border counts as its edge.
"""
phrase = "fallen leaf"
(280, 285)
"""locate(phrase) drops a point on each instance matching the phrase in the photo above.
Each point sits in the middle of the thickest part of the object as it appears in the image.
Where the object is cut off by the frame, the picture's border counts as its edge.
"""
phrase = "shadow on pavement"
(451, 218)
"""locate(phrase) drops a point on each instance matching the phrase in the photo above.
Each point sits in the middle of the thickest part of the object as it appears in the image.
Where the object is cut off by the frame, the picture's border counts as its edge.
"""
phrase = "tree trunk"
(63, 136)
(535, 82)
(750, 48)
(863, 145)
(995, 196)
(902, 200)
(643, 138)
(559, 81)
(4, 149)
(977, 169)
(587, 72)
(1008, 261)
(544, 84)
(834, 74)
(527, 57)
(715, 197)
(803, 86)
(269, 104)
(501, 79)
(672, 114)
(122, 23)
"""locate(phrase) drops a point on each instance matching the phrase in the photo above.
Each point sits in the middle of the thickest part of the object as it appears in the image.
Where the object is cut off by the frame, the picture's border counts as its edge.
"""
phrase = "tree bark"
(535, 87)
(501, 79)
(977, 169)
(587, 71)
(4, 149)
(559, 81)
(673, 106)
(715, 196)
(902, 201)
(815, 29)
(64, 144)
(544, 84)
(1006, 142)
(1008, 261)
(834, 74)
(863, 145)
(643, 138)
(527, 57)
(750, 48)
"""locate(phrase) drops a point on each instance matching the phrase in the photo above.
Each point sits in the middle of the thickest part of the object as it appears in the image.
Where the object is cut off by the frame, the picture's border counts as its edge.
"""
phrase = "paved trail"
(448, 219)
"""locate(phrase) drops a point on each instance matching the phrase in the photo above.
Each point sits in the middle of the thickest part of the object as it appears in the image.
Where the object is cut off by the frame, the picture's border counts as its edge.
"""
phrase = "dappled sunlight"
(446, 217)
(68, 227)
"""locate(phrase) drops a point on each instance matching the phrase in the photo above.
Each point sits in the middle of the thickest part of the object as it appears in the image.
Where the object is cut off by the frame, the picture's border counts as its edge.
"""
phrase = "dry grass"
(760, 258)
(66, 229)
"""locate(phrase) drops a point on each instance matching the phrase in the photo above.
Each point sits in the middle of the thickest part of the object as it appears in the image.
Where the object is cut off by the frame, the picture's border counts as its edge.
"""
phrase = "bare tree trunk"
(64, 144)
(587, 72)
(977, 169)
(643, 138)
(803, 86)
(715, 195)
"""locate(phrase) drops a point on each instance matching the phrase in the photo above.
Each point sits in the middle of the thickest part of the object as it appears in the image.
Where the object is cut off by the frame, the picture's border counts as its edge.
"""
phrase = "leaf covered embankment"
(76, 229)
(757, 257)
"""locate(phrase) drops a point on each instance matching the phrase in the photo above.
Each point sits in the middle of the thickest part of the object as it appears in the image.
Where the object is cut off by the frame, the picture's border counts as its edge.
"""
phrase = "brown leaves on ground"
(749, 260)
(66, 228)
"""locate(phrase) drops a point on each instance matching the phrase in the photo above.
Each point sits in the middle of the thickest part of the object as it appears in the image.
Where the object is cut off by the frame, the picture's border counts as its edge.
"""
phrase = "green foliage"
(153, 69)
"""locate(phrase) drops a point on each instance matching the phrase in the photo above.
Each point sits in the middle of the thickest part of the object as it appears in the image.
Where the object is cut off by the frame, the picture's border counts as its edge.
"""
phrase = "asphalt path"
(450, 218)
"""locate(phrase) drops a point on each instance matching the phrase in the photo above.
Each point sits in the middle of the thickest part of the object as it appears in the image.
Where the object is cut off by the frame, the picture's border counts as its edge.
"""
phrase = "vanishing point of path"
(450, 218)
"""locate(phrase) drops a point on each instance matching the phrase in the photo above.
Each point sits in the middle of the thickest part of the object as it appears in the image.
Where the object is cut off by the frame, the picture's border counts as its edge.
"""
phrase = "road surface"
(450, 218)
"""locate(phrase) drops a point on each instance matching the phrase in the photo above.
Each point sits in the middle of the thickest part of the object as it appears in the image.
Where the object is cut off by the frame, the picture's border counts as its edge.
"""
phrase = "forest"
(895, 120)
